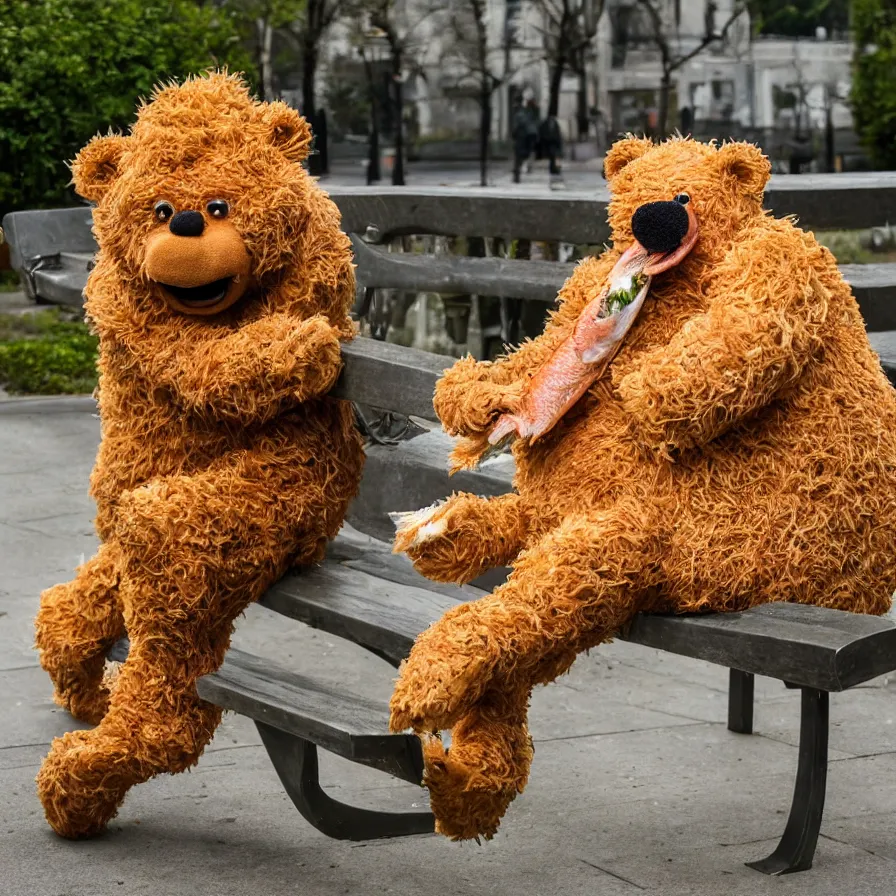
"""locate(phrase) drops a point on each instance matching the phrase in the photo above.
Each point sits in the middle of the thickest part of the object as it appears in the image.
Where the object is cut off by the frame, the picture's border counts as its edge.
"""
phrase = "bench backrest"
(378, 217)
(400, 380)
(413, 472)
(42, 232)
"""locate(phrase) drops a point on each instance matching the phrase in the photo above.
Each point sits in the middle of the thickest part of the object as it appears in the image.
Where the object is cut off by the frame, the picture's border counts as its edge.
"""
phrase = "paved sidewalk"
(16, 303)
(637, 785)
(576, 176)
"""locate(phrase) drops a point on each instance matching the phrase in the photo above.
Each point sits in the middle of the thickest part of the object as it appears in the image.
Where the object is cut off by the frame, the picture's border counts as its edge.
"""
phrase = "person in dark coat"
(551, 142)
(525, 137)
(518, 133)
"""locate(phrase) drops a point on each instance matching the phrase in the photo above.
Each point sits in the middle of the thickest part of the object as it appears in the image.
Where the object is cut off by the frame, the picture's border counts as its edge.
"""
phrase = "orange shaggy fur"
(222, 462)
(740, 449)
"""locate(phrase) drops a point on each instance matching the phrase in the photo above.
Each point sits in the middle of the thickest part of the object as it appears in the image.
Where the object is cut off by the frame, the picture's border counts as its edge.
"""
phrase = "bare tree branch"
(383, 15)
(476, 65)
(659, 34)
(737, 11)
(569, 30)
(671, 64)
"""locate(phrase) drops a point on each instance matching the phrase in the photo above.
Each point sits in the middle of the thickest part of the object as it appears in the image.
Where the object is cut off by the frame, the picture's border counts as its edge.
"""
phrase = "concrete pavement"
(637, 785)
(579, 176)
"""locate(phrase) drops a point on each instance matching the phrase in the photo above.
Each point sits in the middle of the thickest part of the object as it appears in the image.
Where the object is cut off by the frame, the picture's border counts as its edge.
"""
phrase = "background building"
(777, 90)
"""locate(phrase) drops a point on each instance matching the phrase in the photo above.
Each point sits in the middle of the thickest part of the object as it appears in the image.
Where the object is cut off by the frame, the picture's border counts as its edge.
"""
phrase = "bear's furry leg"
(147, 730)
(196, 550)
(76, 624)
(156, 721)
(463, 537)
(581, 583)
(472, 783)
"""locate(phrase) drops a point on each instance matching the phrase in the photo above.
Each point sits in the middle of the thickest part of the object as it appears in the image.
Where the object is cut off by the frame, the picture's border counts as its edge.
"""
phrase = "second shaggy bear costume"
(740, 449)
(220, 295)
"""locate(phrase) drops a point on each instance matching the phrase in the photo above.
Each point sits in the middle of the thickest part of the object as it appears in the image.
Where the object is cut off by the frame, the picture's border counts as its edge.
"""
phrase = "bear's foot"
(81, 786)
(79, 687)
(472, 784)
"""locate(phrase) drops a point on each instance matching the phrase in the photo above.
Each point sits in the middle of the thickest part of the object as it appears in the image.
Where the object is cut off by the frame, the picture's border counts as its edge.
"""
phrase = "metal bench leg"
(740, 702)
(295, 761)
(797, 846)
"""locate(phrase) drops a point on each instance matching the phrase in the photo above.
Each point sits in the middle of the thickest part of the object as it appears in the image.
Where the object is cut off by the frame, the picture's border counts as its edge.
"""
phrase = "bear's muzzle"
(201, 273)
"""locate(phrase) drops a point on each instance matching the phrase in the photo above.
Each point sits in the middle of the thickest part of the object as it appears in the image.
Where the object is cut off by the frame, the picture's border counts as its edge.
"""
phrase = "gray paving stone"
(875, 834)
(839, 868)
(863, 721)
(657, 791)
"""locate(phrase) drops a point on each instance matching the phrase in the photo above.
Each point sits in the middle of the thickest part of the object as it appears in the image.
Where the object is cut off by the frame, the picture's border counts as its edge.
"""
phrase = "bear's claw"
(414, 527)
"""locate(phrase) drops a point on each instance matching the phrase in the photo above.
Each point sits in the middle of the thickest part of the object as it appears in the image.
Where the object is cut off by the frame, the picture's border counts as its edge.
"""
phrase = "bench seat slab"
(343, 723)
(807, 646)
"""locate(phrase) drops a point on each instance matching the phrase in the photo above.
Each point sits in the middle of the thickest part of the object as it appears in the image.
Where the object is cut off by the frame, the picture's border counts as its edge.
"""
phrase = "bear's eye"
(218, 208)
(163, 210)
(683, 198)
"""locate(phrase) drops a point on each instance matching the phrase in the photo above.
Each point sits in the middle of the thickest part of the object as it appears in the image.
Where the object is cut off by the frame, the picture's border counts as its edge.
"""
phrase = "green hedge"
(70, 69)
(43, 354)
(874, 78)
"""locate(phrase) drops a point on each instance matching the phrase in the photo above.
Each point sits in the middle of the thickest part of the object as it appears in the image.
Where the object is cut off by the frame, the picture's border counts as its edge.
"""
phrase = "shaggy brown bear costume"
(741, 448)
(220, 294)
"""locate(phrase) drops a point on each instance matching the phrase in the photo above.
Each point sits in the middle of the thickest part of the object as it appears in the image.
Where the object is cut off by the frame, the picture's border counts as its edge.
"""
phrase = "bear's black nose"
(187, 224)
(657, 226)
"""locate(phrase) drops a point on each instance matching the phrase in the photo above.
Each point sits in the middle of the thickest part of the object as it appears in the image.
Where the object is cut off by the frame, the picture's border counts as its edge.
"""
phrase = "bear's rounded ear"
(746, 162)
(624, 151)
(288, 131)
(97, 165)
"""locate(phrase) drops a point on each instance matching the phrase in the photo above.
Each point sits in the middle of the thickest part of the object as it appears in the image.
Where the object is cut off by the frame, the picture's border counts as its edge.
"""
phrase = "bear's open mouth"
(200, 296)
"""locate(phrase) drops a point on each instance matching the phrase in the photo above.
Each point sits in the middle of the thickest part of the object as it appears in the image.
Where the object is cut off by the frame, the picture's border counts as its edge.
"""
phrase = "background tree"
(799, 18)
(263, 25)
(72, 68)
(579, 63)
(388, 20)
(346, 97)
(568, 30)
(664, 36)
(265, 18)
(874, 78)
(373, 135)
(383, 18)
(812, 103)
(311, 24)
(478, 64)
(360, 39)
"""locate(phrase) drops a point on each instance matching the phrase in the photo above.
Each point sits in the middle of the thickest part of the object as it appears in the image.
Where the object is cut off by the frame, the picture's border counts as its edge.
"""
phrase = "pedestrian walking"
(551, 140)
(525, 137)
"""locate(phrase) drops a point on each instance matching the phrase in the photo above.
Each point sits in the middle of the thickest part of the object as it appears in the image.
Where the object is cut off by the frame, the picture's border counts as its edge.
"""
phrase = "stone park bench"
(366, 595)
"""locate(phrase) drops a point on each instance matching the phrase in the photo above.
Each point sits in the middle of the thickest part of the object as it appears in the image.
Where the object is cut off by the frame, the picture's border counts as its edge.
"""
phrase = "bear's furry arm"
(473, 394)
(766, 315)
(252, 373)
